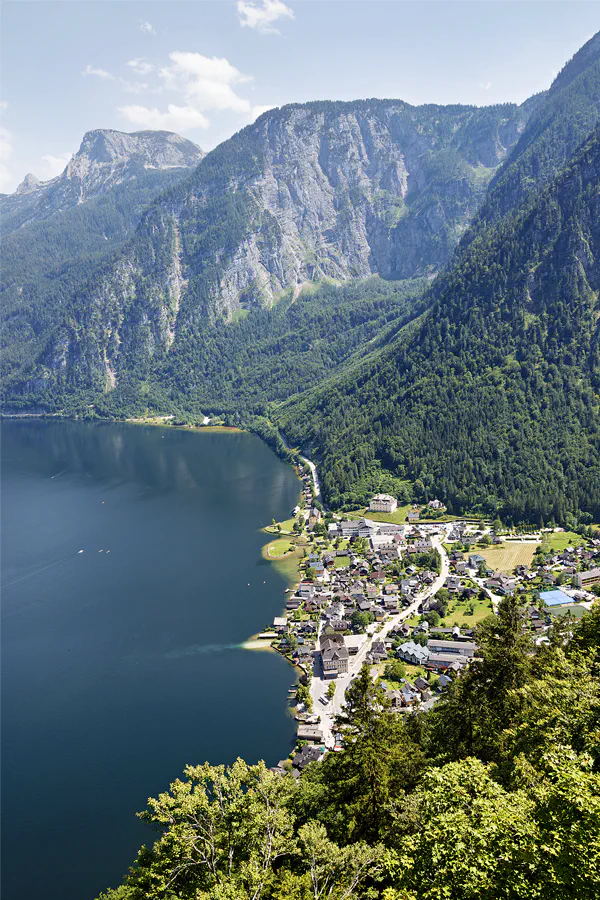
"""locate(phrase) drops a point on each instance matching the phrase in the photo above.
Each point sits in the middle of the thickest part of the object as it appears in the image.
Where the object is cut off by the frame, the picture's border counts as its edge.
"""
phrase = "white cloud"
(147, 28)
(257, 111)
(3, 104)
(200, 85)
(140, 66)
(205, 82)
(177, 118)
(133, 87)
(54, 165)
(263, 15)
(6, 151)
(100, 73)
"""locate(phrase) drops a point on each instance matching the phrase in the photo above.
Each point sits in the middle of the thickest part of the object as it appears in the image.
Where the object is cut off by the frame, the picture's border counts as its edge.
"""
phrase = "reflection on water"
(123, 663)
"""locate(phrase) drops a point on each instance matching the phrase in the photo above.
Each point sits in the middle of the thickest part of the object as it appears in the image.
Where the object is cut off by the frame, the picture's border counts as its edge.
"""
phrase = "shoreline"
(252, 643)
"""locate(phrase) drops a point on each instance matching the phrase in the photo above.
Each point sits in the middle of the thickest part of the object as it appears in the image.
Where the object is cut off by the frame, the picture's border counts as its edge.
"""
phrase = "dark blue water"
(120, 668)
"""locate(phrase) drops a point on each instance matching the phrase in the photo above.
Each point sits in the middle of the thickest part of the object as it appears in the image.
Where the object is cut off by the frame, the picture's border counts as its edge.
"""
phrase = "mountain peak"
(152, 149)
(30, 183)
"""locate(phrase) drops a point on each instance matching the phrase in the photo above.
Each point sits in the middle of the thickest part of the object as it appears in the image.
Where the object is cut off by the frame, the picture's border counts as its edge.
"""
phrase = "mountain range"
(410, 294)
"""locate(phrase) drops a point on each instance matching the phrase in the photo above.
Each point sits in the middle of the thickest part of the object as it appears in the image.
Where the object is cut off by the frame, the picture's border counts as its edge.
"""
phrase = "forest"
(493, 402)
(477, 383)
(493, 793)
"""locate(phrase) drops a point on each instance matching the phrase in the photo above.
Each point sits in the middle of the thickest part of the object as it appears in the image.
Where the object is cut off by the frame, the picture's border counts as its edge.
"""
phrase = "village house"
(406, 697)
(585, 580)
(383, 503)
(452, 584)
(501, 584)
(305, 756)
(423, 688)
(382, 542)
(476, 560)
(378, 651)
(413, 653)
(436, 505)
(334, 655)
(458, 648)
(357, 590)
(306, 590)
(442, 662)
(314, 516)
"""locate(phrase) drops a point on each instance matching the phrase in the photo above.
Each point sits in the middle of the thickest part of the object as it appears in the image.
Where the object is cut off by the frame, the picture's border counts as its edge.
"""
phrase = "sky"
(206, 68)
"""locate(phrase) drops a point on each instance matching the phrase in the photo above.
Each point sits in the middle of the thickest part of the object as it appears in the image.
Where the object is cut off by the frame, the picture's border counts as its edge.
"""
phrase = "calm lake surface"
(120, 668)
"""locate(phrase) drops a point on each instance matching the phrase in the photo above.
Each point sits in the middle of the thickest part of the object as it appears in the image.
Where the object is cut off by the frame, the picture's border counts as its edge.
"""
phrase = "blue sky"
(205, 68)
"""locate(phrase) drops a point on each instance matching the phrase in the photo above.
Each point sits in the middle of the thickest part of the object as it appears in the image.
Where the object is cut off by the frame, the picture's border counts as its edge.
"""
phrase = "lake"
(122, 664)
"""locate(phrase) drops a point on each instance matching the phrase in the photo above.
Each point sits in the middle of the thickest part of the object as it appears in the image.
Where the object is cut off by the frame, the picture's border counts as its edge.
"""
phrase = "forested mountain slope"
(54, 233)
(560, 120)
(494, 793)
(339, 190)
(105, 159)
(493, 402)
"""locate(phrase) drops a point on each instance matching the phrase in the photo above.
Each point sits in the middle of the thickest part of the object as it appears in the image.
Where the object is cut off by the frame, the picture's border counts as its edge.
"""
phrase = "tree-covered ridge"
(307, 192)
(239, 368)
(45, 263)
(559, 121)
(493, 402)
(494, 793)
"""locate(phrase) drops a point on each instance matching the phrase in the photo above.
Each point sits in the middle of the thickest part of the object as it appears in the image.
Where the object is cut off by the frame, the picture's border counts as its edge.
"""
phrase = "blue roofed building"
(555, 598)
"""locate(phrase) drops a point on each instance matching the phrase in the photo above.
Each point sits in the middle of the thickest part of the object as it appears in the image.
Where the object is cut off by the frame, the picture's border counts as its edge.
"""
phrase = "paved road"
(319, 684)
(313, 469)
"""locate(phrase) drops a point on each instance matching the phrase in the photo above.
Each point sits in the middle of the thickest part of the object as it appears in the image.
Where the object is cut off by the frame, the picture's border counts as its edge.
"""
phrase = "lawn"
(457, 613)
(341, 561)
(411, 672)
(286, 526)
(559, 540)
(397, 517)
(279, 547)
(285, 563)
(504, 557)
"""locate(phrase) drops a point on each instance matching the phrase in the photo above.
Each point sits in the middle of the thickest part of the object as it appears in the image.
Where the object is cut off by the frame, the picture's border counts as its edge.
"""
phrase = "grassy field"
(341, 561)
(504, 557)
(397, 517)
(559, 540)
(279, 547)
(287, 564)
(287, 526)
(413, 672)
(457, 613)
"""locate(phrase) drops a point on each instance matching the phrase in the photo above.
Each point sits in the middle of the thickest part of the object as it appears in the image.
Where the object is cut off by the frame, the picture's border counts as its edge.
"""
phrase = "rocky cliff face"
(308, 192)
(105, 160)
(346, 190)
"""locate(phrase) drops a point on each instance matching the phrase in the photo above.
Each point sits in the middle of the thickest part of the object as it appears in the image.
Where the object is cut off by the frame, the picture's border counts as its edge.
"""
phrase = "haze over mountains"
(105, 160)
(205, 306)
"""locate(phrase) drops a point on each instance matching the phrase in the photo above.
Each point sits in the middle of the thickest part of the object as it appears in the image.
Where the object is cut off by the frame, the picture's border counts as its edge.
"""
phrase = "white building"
(383, 503)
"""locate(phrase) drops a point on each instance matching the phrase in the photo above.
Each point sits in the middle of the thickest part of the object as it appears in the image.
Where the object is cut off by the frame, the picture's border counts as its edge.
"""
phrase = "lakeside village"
(402, 591)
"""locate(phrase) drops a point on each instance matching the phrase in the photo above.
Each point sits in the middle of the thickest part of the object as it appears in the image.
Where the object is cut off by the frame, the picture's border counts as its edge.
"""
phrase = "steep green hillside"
(46, 262)
(494, 794)
(559, 121)
(55, 233)
(238, 368)
(313, 191)
(493, 403)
